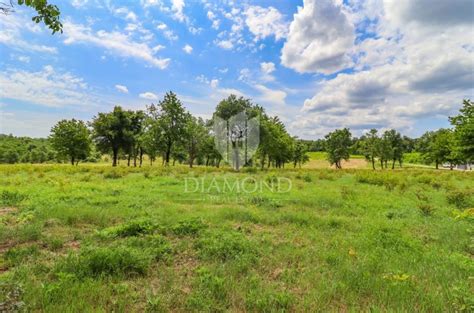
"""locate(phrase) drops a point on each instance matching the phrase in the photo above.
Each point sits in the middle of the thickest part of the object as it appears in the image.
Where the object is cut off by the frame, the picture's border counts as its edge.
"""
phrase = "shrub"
(224, 246)
(97, 262)
(113, 174)
(459, 198)
(426, 209)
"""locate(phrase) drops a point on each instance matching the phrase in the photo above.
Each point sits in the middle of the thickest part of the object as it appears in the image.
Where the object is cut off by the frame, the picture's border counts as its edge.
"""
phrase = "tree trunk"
(128, 160)
(168, 154)
(72, 160)
(437, 165)
(381, 163)
(393, 164)
(141, 157)
(373, 163)
(114, 157)
(135, 160)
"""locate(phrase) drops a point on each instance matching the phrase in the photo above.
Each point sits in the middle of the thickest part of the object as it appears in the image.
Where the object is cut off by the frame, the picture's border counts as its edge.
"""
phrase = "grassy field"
(94, 238)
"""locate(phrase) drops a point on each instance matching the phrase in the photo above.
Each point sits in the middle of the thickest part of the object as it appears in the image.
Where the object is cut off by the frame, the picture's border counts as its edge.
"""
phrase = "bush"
(113, 174)
(426, 209)
(459, 198)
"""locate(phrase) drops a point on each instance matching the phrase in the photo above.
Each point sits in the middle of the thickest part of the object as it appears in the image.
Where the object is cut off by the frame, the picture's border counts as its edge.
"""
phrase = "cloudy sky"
(318, 64)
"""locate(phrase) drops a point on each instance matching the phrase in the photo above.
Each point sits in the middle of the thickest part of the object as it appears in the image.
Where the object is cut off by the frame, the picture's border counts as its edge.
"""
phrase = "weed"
(459, 198)
(188, 227)
(133, 228)
(17, 255)
(97, 262)
(12, 198)
(224, 246)
(426, 209)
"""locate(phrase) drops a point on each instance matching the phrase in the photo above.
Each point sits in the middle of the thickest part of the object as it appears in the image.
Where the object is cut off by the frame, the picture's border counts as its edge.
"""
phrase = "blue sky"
(318, 64)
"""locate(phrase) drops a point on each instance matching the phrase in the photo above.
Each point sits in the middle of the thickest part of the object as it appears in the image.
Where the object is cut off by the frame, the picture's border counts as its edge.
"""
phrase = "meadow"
(95, 238)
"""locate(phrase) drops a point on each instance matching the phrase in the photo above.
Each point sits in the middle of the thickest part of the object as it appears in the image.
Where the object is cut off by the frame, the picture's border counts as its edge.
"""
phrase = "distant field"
(94, 238)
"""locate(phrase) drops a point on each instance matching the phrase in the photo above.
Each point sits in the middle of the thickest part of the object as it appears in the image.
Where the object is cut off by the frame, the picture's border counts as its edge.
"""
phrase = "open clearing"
(94, 238)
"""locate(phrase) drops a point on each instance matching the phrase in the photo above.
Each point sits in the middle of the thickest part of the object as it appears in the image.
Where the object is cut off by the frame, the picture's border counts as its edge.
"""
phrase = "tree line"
(168, 131)
(454, 146)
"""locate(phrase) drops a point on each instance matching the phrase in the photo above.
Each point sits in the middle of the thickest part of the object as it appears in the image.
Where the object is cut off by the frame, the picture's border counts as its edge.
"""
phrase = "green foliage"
(25, 150)
(338, 143)
(47, 13)
(460, 198)
(464, 131)
(71, 139)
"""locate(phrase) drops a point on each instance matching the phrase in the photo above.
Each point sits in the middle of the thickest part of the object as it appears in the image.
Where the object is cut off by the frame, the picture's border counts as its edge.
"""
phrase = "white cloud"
(267, 68)
(157, 48)
(214, 83)
(121, 88)
(188, 49)
(79, 3)
(162, 26)
(148, 95)
(13, 26)
(115, 42)
(265, 22)
(225, 44)
(177, 6)
(320, 38)
(418, 66)
(46, 87)
(271, 96)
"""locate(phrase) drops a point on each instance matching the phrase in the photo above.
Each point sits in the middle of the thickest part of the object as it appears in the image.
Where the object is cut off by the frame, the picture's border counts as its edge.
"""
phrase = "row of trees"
(168, 131)
(454, 146)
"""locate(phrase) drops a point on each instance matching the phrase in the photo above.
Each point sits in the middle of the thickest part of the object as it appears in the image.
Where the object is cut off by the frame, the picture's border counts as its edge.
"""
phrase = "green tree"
(47, 13)
(300, 155)
(112, 131)
(436, 146)
(395, 146)
(195, 137)
(172, 123)
(464, 131)
(338, 144)
(370, 146)
(71, 139)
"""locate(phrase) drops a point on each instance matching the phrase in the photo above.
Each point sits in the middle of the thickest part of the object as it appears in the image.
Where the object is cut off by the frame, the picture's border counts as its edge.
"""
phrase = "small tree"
(172, 122)
(370, 146)
(338, 144)
(71, 139)
(464, 131)
(196, 134)
(111, 132)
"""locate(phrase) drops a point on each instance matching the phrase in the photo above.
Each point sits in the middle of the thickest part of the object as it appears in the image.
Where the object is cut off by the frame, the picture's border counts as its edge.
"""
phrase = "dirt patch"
(4, 246)
(73, 245)
(7, 210)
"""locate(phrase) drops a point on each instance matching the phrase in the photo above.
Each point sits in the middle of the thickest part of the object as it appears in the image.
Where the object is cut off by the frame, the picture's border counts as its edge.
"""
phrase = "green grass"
(93, 238)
